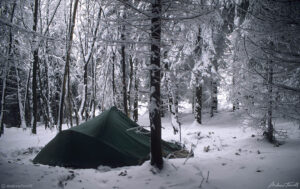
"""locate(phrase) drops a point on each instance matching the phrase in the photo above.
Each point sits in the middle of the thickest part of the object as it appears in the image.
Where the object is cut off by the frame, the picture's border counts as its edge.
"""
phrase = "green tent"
(109, 139)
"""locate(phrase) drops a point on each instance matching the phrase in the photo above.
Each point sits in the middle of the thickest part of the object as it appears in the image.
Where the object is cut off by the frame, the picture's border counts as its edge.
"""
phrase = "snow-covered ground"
(228, 155)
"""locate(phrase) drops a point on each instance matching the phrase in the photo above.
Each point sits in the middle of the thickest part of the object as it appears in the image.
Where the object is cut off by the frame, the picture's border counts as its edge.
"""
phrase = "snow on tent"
(109, 139)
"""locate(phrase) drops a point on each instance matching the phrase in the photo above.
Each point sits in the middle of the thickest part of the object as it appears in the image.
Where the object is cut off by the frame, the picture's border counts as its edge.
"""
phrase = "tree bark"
(234, 98)
(84, 111)
(69, 97)
(198, 105)
(93, 99)
(193, 100)
(113, 78)
(123, 63)
(27, 101)
(21, 108)
(34, 69)
(270, 102)
(130, 85)
(43, 100)
(6, 72)
(154, 109)
(136, 95)
(3, 98)
(215, 90)
(48, 89)
(211, 92)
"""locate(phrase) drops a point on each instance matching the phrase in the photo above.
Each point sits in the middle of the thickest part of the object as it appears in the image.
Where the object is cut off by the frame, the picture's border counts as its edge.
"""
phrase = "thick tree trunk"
(154, 106)
(34, 69)
(68, 53)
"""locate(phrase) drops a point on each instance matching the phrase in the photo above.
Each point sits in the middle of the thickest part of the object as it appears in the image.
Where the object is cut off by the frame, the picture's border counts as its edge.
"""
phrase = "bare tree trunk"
(43, 100)
(168, 84)
(3, 98)
(136, 95)
(68, 52)
(93, 99)
(75, 110)
(197, 90)
(130, 85)
(84, 112)
(113, 78)
(85, 80)
(193, 100)
(21, 108)
(270, 102)
(175, 113)
(48, 91)
(215, 90)
(69, 96)
(27, 101)
(176, 99)
(211, 92)
(6, 72)
(123, 63)
(34, 69)
(154, 106)
(234, 100)
(174, 106)
(198, 106)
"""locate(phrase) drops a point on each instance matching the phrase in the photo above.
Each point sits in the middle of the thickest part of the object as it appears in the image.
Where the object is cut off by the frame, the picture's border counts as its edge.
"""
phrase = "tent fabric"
(109, 139)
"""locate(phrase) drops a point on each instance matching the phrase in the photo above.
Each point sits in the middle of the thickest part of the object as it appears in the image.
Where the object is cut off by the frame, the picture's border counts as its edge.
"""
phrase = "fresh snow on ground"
(227, 155)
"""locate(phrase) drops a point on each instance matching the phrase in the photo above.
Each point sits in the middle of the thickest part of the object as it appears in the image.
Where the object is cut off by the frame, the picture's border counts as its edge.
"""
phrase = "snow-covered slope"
(227, 155)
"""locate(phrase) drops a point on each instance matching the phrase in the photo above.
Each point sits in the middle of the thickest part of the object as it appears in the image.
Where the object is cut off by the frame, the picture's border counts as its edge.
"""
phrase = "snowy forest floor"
(238, 157)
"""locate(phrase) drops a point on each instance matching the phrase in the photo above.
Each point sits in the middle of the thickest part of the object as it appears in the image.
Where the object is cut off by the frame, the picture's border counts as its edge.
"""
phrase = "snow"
(237, 157)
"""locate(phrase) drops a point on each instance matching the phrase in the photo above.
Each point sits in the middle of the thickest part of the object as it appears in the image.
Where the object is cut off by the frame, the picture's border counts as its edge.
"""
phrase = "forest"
(195, 73)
